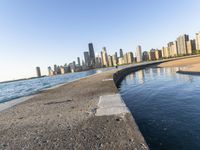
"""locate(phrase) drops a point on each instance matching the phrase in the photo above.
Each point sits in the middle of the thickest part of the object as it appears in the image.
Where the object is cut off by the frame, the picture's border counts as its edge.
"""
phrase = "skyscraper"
(114, 58)
(130, 57)
(152, 54)
(87, 58)
(78, 61)
(197, 41)
(38, 72)
(104, 57)
(110, 61)
(181, 44)
(139, 53)
(165, 52)
(91, 54)
(191, 46)
(145, 56)
(121, 53)
(50, 71)
(158, 54)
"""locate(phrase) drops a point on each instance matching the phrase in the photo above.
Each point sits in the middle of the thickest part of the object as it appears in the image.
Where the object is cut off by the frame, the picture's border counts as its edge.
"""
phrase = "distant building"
(72, 67)
(145, 56)
(114, 58)
(130, 57)
(50, 71)
(158, 54)
(104, 57)
(121, 61)
(191, 46)
(55, 69)
(152, 55)
(138, 53)
(197, 41)
(121, 54)
(125, 58)
(38, 72)
(87, 58)
(116, 55)
(182, 44)
(98, 63)
(170, 47)
(91, 54)
(165, 52)
(62, 70)
(174, 49)
(110, 61)
(78, 61)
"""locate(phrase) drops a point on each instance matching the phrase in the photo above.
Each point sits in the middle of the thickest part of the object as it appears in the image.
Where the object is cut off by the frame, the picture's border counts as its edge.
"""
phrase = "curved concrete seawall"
(85, 114)
(121, 73)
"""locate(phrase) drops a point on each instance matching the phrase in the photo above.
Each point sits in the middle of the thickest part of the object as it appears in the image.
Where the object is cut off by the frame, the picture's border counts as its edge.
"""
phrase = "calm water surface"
(166, 107)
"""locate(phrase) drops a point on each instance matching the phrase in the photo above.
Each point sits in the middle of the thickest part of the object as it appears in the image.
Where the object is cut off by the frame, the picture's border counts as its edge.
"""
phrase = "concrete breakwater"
(121, 73)
(78, 115)
(84, 114)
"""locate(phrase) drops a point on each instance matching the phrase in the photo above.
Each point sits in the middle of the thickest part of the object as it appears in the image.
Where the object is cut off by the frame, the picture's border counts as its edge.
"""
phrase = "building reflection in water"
(154, 73)
(140, 75)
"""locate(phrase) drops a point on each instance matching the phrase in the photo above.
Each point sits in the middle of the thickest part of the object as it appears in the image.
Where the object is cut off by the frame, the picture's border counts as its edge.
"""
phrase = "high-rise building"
(191, 46)
(91, 54)
(78, 61)
(170, 46)
(116, 54)
(125, 58)
(158, 54)
(50, 71)
(181, 44)
(138, 53)
(197, 41)
(38, 72)
(165, 52)
(55, 69)
(114, 58)
(72, 66)
(130, 57)
(121, 61)
(104, 57)
(174, 49)
(121, 53)
(98, 62)
(87, 58)
(63, 69)
(145, 56)
(152, 55)
(110, 61)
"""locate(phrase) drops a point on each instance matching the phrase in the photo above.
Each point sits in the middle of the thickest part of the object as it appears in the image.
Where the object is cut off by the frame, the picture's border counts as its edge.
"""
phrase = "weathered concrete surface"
(111, 105)
(64, 118)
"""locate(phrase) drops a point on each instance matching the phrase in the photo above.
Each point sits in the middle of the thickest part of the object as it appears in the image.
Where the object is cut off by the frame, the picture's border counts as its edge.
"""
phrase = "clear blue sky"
(46, 32)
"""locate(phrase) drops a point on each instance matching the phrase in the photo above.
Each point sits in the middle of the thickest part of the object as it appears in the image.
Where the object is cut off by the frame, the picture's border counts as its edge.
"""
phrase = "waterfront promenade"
(65, 118)
(84, 114)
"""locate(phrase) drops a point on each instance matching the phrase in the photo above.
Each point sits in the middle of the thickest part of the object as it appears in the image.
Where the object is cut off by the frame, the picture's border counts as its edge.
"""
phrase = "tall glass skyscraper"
(92, 55)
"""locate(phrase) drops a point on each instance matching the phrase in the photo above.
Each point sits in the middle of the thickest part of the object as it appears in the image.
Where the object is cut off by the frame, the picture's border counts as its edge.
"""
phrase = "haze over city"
(35, 33)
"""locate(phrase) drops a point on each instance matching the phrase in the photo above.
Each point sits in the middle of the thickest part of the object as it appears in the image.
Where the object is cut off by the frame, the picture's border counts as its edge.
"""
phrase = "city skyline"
(33, 37)
(182, 46)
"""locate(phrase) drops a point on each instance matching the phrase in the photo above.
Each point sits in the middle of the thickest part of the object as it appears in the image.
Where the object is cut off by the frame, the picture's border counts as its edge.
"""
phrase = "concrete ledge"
(9, 104)
(188, 72)
(111, 105)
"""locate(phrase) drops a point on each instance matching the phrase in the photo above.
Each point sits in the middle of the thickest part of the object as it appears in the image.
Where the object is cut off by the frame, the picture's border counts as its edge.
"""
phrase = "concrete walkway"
(85, 114)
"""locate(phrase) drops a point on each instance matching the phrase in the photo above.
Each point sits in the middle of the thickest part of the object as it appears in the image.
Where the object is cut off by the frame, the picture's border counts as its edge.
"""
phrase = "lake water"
(166, 107)
(17, 89)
